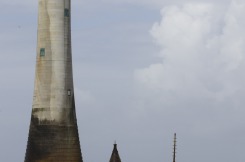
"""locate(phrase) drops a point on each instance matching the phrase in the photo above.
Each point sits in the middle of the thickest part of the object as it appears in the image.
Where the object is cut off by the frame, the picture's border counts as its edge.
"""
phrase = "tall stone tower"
(53, 134)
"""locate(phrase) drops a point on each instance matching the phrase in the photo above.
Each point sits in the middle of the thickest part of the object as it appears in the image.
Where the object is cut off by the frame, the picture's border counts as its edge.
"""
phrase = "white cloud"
(203, 51)
(159, 3)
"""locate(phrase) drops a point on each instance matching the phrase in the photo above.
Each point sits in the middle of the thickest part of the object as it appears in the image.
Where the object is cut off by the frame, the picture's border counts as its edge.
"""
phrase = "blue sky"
(143, 70)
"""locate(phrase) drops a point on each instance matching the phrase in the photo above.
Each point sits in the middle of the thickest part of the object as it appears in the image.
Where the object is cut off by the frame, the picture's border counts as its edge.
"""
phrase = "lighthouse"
(53, 134)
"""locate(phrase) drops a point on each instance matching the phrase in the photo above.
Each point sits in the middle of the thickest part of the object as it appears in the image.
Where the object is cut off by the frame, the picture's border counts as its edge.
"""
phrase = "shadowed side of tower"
(115, 155)
(53, 134)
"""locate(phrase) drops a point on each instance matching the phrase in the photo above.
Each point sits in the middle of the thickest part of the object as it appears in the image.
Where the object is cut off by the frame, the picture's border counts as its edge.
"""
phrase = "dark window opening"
(67, 12)
(69, 92)
(42, 52)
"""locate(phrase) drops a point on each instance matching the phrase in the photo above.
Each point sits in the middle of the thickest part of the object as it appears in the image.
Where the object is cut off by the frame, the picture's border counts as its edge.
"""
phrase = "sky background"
(143, 70)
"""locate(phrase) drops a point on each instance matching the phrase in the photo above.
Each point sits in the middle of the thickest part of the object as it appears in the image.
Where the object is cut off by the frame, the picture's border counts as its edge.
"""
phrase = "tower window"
(42, 52)
(69, 92)
(67, 12)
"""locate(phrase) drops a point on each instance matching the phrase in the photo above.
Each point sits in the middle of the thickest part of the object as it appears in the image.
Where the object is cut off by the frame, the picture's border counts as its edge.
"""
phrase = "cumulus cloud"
(202, 58)
(160, 3)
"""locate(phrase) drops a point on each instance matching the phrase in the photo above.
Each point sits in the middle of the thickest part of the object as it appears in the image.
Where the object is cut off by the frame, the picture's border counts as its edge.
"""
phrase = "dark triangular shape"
(115, 155)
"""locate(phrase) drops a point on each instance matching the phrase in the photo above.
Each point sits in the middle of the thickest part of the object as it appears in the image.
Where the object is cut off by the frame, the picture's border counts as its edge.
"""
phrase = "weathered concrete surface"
(115, 155)
(53, 135)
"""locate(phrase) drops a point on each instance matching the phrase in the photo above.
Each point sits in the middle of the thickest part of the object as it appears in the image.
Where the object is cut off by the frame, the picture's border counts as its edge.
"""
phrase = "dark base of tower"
(53, 143)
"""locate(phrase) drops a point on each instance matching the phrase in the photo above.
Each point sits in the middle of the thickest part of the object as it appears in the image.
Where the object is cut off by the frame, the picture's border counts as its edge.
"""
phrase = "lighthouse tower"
(53, 134)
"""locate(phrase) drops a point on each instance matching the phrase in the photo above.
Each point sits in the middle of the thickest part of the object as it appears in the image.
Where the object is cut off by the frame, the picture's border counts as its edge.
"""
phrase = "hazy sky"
(143, 70)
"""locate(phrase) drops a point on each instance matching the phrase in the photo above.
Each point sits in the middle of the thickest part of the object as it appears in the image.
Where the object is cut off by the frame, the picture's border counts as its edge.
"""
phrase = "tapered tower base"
(53, 143)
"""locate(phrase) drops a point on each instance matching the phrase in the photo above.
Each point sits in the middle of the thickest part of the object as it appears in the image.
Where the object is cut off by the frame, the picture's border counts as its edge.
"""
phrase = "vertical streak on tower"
(53, 134)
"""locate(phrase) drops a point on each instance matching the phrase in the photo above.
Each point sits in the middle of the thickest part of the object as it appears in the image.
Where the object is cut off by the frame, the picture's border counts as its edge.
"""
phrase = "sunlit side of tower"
(53, 134)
